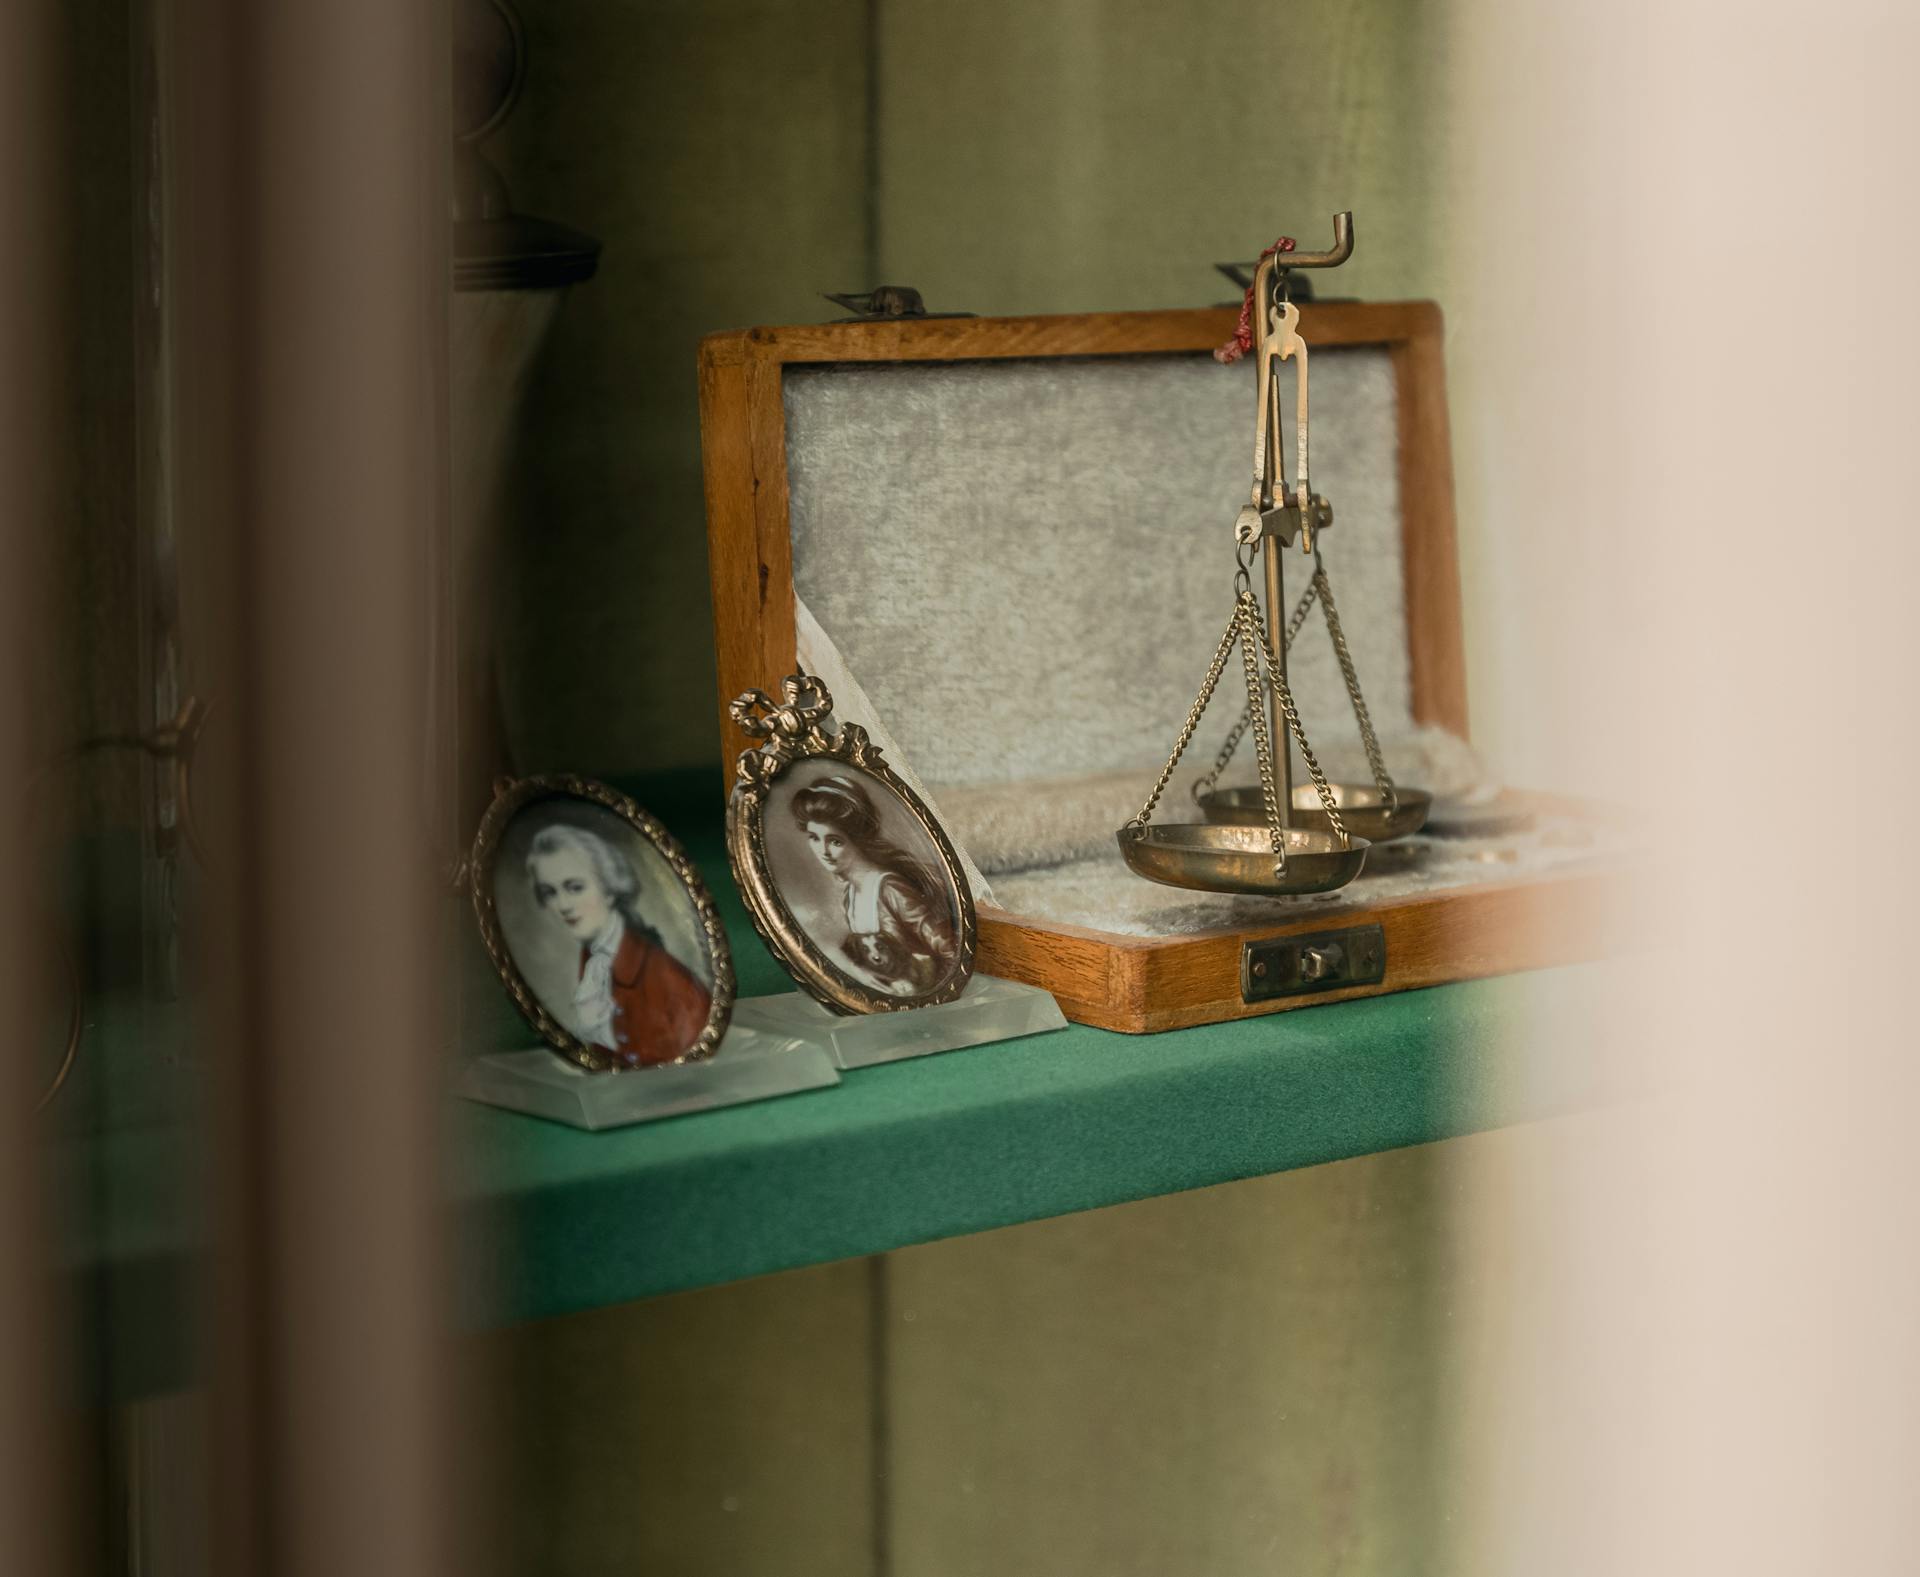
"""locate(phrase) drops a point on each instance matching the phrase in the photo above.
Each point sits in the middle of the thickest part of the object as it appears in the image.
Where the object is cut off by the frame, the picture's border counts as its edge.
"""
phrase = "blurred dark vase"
(511, 272)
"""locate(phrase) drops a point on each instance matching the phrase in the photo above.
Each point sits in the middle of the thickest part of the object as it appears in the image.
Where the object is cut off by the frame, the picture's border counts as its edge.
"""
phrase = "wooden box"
(975, 480)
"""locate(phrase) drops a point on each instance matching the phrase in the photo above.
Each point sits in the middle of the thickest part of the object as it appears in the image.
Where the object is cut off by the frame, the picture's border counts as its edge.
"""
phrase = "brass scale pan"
(1363, 808)
(1224, 859)
(1232, 852)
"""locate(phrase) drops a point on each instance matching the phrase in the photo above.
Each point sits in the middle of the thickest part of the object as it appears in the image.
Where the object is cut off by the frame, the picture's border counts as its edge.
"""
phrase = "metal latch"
(1291, 966)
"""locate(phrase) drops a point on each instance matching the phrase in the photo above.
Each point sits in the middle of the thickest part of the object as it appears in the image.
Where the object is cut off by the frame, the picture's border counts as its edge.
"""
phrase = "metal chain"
(1194, 714)
(1247, 615)
(1277, 681)
(1239, 730)
(1320, 588)
(1381, 779)
(1204, 783)
(1300, 611)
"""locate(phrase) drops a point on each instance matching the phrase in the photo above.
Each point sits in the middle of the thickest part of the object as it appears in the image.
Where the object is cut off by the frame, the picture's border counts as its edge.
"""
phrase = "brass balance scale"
(1269, 838)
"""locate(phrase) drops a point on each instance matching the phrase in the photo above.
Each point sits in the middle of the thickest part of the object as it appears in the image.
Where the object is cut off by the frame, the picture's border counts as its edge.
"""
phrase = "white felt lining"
(1029, 563)
(1103, 894)
(821, 658)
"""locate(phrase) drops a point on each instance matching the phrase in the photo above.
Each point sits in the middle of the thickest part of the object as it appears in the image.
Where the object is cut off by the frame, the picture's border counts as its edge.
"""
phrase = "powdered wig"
(844, 804)
(613, 869)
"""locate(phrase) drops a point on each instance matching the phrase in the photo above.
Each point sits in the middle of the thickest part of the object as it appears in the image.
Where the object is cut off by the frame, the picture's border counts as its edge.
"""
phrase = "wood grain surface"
(1067, 334)
(1140, 985)
(1429, 542)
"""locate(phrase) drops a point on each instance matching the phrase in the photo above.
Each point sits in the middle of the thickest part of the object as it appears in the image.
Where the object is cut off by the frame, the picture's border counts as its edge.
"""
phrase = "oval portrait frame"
(799, 731)
(513, 795)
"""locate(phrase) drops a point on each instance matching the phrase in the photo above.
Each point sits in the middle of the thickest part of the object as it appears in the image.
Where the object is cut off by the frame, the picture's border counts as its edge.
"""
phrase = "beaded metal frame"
(513, 795)
(801, 728)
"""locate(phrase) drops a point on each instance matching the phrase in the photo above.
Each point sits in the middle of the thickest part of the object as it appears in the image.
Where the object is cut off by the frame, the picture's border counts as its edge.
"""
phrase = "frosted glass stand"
(750, 1066)
(988, 1010)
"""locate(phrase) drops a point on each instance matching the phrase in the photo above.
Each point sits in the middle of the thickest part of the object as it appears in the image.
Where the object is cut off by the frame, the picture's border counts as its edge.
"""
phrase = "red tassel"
(1242, 340)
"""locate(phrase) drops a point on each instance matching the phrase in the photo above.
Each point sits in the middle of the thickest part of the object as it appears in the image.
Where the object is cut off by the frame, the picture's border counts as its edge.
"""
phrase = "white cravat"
(593, 996)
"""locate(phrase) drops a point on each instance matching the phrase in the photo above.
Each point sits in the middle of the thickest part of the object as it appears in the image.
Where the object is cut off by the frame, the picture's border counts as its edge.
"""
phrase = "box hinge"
(885, 303)
(1291, 966)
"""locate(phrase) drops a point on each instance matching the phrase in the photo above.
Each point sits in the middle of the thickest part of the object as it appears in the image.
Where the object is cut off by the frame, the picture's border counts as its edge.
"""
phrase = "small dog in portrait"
(881, 957)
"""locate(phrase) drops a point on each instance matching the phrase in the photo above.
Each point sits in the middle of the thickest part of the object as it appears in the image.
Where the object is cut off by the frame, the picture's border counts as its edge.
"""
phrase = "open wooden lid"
(1018, 531)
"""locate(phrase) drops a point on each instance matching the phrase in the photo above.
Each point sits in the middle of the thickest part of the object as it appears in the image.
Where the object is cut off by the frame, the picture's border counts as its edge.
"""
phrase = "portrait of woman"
(863, 879)
(899, 924)
(604, 933)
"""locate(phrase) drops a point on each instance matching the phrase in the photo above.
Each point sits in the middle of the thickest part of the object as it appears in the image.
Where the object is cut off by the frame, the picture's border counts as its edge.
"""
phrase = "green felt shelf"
(995, 1135)
(551, 1220)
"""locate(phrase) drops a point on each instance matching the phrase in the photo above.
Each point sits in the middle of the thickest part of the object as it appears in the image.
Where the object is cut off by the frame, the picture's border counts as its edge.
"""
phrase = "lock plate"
(1291, 966)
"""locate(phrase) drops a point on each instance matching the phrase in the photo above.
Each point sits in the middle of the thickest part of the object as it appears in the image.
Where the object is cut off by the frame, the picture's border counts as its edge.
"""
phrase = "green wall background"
(1241, 1380)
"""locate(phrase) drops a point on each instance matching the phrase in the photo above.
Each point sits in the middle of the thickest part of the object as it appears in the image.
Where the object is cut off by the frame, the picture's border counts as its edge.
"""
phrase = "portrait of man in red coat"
(631, 996)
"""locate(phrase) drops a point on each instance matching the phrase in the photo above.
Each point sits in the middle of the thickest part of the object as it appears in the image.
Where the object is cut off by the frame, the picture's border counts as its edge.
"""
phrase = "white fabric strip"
(820, 657)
